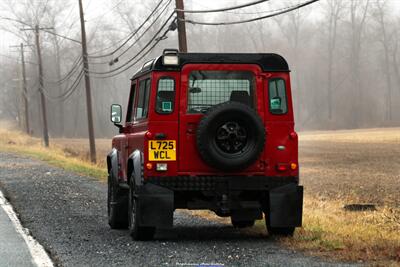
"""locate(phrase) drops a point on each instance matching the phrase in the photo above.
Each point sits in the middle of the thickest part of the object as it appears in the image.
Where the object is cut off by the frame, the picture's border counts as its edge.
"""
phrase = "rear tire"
(242, 224)
(117, 206)
(137, 232)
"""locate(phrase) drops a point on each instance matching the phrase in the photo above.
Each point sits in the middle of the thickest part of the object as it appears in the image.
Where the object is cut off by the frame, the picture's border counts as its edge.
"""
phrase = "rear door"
(205, 85)
(281, 144)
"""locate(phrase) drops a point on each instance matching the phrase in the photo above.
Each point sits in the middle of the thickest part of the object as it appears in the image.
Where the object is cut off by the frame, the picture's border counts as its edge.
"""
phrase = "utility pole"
(181, 27)
(24, 87)
(87, 86)
(42, 98)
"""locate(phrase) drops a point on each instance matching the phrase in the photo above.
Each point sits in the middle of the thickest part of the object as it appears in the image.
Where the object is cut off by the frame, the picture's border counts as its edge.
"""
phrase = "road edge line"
(37, 251)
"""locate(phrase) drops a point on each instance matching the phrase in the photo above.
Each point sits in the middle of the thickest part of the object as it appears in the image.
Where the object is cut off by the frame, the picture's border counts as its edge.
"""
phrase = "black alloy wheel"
(231, 137)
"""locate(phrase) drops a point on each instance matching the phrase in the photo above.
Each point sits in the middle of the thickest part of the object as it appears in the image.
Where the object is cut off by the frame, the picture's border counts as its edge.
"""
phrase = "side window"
(131, 104)
(165, 95)
(143, 99)
(277, 96)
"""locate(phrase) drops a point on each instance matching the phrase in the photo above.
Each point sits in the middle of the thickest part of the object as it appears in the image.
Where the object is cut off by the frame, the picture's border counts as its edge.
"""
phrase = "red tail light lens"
(293, 135)
(282, 167)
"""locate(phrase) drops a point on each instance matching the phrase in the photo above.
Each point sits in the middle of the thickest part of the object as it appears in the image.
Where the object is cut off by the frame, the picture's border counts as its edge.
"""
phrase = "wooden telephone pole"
(42, 98)
(87, 86)
(181, 27)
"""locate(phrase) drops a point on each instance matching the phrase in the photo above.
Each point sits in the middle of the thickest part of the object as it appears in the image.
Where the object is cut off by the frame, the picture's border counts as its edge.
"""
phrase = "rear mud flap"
(156, 206)
(286, 206)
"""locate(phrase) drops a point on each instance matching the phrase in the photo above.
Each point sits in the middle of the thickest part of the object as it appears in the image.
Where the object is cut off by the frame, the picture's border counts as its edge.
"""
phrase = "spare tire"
(230, 136)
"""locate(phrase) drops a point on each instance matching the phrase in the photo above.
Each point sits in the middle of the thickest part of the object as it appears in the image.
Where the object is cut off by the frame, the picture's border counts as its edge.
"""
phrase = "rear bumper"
(221, 183)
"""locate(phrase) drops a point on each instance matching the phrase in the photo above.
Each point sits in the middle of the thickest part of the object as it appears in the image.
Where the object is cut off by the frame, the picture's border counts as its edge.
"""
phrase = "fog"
(344, 57)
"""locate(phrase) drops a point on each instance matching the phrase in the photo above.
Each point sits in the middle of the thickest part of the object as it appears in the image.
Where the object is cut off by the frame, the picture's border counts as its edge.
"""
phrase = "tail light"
(293, 135)
(282, 167)
(149, 166)
(293, 166)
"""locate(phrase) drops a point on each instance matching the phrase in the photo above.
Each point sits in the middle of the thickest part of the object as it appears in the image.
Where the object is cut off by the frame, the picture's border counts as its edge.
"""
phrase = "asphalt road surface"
(66, 213)
(13, 249)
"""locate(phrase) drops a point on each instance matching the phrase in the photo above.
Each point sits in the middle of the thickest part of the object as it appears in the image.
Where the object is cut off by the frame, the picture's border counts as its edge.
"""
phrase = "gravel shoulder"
(66, 213)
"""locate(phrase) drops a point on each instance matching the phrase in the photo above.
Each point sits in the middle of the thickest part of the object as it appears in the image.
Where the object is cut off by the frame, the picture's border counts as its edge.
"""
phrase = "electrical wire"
(139, 37)
(129, 37)
(64, 96)
(144, 48)
(248, 12)
(288, 9)
(62, 36)
(159, 39)
(222, 9)
(75, 66)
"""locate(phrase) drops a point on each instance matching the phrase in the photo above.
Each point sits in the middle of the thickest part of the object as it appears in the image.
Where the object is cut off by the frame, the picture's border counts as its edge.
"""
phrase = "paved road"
(13, 249)
(66, 213)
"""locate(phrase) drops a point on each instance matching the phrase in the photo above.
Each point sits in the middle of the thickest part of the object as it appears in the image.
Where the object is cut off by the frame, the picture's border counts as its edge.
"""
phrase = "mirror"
(116, 113)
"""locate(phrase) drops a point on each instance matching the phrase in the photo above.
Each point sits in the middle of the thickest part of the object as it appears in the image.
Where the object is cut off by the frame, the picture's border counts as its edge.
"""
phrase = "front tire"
(137, 232)
(117, 206)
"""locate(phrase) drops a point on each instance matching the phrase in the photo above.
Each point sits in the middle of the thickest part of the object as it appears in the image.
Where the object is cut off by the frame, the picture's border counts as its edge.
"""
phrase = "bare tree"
(358, 15)
(379, 13)
(291, 26)
(334, 12)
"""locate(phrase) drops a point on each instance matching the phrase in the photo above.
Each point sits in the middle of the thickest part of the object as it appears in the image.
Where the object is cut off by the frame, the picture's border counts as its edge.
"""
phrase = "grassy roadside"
(368, 237)
(18, 142)
(371, 237)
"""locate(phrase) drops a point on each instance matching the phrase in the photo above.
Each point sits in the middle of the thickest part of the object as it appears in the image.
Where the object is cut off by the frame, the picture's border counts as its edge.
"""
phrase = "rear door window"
(210, 88)
(277, 96)
(165, 95)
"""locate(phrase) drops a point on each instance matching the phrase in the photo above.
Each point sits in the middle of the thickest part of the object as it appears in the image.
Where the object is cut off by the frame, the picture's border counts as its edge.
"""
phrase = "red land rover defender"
(206, 131)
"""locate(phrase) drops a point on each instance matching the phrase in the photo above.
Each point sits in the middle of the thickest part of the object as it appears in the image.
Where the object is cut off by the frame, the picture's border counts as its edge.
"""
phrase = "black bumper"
(224, 183)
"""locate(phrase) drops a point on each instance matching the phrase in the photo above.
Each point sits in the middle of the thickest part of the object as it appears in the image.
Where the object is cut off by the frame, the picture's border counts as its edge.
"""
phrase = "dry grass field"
(337, 168)
(351, 167)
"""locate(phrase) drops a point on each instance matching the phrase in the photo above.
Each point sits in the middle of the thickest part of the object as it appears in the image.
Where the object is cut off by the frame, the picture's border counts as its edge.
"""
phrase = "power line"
(65, 95)
(129, 37)
(248, 12)
(148, 44)
(139, 37)
(288, 9)
(75, 66)
(157, 40)
(62, 36)
(223, 9)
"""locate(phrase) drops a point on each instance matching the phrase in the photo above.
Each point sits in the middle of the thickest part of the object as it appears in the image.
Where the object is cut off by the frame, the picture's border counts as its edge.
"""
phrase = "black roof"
(267, 62)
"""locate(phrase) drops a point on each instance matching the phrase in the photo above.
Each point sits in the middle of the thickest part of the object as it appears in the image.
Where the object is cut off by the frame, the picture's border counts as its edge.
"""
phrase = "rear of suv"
(206, 131)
